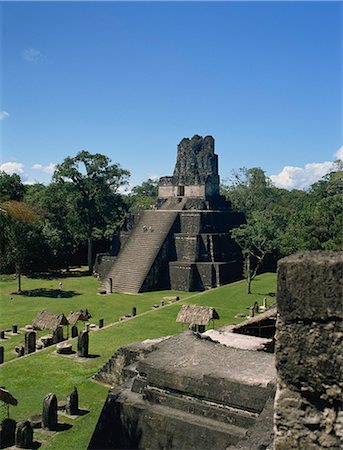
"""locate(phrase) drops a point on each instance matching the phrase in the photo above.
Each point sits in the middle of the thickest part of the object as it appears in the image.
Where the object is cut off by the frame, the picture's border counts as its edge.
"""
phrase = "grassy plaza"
(31, 377)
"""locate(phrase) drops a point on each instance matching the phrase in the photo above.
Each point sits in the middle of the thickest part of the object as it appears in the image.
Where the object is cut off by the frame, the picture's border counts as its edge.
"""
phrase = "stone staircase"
(134, 261)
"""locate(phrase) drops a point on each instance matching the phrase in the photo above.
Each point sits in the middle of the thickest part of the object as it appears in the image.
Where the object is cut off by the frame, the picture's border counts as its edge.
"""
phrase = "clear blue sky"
(130, 80)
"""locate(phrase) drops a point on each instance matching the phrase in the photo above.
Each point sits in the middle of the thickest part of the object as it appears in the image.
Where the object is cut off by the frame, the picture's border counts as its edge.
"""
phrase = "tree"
(143, 195)
(249, 190)
(256, 238)
(17, 219)
(11, 187)
(55, 203)
(97, 203)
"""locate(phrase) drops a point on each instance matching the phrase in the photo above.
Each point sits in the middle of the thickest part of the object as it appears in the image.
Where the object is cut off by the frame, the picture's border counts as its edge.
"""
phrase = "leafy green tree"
(55, 203)
(257, 238)
(97, 204)
(18, 232)
(249, 190)
(11, 187)
(144, 195)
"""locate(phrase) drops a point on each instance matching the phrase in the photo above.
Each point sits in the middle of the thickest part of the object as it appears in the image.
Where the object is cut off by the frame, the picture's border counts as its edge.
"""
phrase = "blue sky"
(130, 80)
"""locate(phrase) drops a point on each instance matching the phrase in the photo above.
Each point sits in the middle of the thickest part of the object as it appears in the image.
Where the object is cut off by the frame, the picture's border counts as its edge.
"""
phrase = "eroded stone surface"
(308, 405)
(310, 286)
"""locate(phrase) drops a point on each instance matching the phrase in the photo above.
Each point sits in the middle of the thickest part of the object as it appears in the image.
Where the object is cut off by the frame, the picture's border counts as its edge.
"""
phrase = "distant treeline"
(64, 223)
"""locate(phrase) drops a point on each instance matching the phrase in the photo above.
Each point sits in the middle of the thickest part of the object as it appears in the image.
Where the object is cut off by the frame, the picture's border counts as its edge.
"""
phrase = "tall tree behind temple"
(144, 195)
(98, 206)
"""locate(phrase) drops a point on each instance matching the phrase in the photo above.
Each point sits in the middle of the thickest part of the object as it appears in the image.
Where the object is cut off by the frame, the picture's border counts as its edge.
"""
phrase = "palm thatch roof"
(75, 316)
(269, 315)
(196, 315)
(7, 398)
(49, 321)
(262, 325)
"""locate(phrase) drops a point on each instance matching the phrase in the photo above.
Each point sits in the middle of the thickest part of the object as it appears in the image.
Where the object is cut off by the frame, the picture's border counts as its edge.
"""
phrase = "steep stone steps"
(137, 256)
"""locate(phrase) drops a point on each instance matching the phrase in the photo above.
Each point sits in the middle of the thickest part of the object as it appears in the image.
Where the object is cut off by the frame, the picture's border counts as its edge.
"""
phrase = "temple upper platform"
(196, 171)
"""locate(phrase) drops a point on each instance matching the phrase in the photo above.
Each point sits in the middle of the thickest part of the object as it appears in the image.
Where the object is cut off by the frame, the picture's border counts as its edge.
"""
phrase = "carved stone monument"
(74, 331)
(30, 342)
(83, 344)
(72, 406)
(49, 415)
(58, 335)
(7, 433)
(24, 435)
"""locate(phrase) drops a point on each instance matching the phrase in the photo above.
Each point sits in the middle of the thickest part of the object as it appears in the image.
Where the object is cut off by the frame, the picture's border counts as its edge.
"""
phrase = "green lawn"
(30, 378)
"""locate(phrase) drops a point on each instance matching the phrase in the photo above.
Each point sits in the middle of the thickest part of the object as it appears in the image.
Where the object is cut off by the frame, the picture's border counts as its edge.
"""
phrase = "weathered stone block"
(30, 342)
(72, 404)
(310, 286)
(83, 344)
(299, 424)
(49, 414)
(310, 357)
(24, 435)
(7, 433)
(186, 247)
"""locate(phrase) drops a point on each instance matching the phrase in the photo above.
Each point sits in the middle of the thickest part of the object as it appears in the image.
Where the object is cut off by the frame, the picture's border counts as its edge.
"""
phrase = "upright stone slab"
(134, 311)
(101, 323)
(309, 361)
(1, 355)
(7, 433)
(74, 331)
(2, 334)
(14, 329)
(72, 406)
(83, 344)
(30, 342)
(49, 416)
(24, 435)
(58, 335)
(256, 307)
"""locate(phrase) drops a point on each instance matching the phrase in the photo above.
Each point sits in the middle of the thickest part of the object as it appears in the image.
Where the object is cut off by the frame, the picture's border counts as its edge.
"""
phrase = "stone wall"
(309, 356)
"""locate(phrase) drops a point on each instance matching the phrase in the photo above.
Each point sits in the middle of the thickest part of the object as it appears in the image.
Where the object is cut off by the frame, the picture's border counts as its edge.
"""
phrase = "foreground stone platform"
(188, 392)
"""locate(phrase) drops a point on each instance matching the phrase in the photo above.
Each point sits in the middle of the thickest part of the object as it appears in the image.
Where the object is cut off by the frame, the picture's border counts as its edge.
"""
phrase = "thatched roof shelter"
(49, 321)
(7, 398)
(196, 315)
(75, 316)
(262, 325)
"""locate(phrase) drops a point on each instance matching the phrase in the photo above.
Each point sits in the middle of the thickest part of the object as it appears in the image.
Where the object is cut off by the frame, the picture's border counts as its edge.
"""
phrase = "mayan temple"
(184, 242)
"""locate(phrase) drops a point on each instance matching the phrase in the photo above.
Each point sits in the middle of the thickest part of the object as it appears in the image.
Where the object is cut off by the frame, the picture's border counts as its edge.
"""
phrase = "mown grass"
(30, 378)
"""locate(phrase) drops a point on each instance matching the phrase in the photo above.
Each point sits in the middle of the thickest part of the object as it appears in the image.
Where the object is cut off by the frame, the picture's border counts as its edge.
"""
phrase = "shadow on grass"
(72, 273)
(63, 426)
(269, 294)
(51, 293)
(83, 412)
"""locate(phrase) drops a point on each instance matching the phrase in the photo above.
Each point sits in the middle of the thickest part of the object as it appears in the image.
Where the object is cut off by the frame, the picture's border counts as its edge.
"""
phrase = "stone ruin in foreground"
(191, 392)
(184, 243)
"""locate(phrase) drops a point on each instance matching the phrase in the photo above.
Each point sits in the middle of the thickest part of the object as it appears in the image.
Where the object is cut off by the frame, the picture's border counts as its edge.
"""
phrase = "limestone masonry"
(184, 243)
